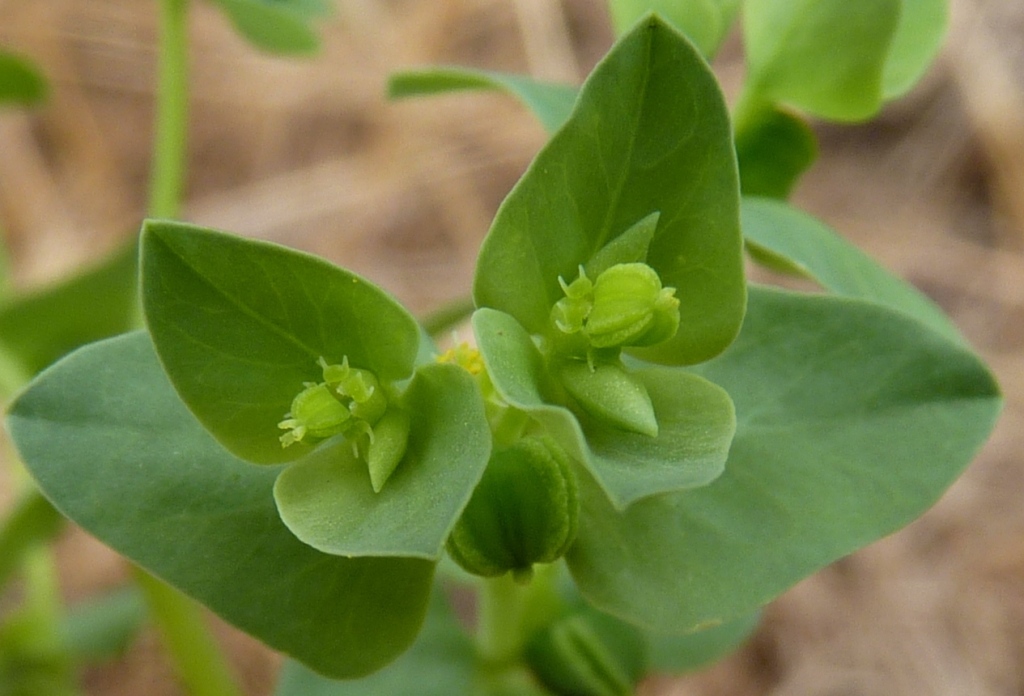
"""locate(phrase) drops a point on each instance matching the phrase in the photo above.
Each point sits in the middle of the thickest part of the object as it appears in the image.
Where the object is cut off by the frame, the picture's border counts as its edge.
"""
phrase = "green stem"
(196, 655)
(448, 316)
(169, 151)
(509, 612)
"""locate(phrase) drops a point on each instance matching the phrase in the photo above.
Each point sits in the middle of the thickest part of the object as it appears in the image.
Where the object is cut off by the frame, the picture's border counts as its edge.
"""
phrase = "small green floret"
(350, 402)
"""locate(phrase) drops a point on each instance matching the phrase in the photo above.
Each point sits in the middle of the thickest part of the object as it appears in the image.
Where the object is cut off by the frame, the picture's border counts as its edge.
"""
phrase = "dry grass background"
(309, 153)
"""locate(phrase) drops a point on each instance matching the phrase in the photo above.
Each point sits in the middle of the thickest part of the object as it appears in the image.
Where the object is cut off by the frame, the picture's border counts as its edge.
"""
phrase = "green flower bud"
(524, 511)
(609, 393)
(629, 302)
(315, 412)
(588, 654)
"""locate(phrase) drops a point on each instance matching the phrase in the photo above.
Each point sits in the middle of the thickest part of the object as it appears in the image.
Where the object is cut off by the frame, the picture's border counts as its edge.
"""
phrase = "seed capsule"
(315, 412)
(588, 654)
(524, 511)
(629, 302)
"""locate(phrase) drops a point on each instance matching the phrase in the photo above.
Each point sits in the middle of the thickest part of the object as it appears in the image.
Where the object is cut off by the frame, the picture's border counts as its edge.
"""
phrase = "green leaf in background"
(774, 148)
(705, 22)
(327, 501)
(918, 38)
(102, 628)
(820, 254)
(824, 56)
(277, 26)
(550, 103)
(677, 653)
(439, 663)
(109, 442)
(40, 326)
(30, 523)
(650, 133)
(21, 82)
(696, 418)
(852, 420)
(239, 326)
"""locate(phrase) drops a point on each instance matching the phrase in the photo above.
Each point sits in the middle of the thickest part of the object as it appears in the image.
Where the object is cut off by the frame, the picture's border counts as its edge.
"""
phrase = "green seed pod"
(524, 511)
(388, 443)
(609, 393)
(315, 412)
(629, 302)
(588, 654)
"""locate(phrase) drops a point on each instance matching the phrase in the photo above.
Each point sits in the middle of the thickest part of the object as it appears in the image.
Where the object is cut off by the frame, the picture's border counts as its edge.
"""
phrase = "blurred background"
(309, 153)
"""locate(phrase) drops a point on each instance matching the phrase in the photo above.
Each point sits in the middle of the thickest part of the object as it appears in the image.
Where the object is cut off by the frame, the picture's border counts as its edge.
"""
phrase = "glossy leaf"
(109, 442)
(824, 56)
(40, 326)
(696, 418)
(550, 103)
(327, 501)
(852, 421)
(705, 22)
(239, 326)
(918, 37)
(650, 133)
(822, 255)
(275, 26)
(21, 82)
(439, 663)
(774, 149)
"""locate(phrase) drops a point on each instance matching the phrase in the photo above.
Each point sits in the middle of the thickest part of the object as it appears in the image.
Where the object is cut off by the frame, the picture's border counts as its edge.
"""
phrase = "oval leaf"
(824, 56)
(852, 421)
(327, 501)
(774, 149)
(239, 326)
(650, 133)
(918, 38)
(110, 443)
(274, 26)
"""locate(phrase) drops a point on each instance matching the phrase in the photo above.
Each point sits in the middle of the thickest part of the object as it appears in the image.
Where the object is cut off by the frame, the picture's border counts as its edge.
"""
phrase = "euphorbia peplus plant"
(638, 452)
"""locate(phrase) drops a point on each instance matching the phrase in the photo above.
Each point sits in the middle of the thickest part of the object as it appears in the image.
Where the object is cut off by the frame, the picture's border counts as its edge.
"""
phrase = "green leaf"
(824, 56)
(239, 326)
(695, 418)
(774, 149)
(439, 663)
(102, 628)
(327, 501)
(822, 255)
(852, 421)
(110, 443)
(550, 103)
(675, 653)
(20, 81)
(277, 27)
(705, 22)
(918, 37)
(650, 133)
(40, 326)
(32, 522)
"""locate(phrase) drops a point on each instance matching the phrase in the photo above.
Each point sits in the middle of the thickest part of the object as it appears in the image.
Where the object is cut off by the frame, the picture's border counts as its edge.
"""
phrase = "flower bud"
(609, 393)
(314, 412)
(629, 302)
(523, 511)
(588, 654)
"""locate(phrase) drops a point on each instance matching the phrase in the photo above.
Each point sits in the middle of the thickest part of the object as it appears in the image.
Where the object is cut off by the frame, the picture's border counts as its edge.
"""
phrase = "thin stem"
(169, 150)
(197, 656)
(508, 613)
(448, 316)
